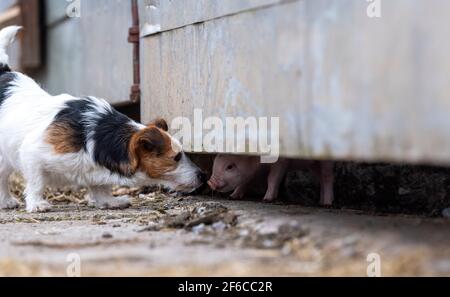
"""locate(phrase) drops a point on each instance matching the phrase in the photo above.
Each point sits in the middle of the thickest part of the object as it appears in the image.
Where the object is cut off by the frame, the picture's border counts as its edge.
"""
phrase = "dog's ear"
(147, 142)
(160, 123)
(152, 141)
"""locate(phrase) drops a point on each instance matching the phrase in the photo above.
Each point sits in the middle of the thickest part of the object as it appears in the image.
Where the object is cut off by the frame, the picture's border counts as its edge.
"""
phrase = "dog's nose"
(202, 177)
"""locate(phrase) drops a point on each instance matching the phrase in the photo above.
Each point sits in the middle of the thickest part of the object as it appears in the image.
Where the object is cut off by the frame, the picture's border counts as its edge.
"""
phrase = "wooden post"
(32, 38)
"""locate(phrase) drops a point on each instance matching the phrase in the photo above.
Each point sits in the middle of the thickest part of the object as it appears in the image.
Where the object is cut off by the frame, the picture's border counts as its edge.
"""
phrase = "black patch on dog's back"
(109, 129)
(112, 137)
(6, 79)
(4, 68)
(72, 116)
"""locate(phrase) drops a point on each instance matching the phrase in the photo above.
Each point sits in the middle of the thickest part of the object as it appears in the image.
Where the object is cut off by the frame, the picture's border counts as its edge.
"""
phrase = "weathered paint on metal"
(89, 55)
(55, 11)
(159, 16)
(344, 85)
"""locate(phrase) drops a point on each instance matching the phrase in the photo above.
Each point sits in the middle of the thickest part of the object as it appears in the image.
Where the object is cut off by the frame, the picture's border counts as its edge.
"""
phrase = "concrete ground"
(207, 236)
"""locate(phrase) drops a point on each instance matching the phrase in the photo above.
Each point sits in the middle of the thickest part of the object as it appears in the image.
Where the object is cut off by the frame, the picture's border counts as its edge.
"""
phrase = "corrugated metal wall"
(89, 54)
(344, 85)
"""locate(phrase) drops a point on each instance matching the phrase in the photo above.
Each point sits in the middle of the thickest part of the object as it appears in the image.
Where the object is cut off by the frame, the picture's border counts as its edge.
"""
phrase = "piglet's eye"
(229, 167)
(178, 157)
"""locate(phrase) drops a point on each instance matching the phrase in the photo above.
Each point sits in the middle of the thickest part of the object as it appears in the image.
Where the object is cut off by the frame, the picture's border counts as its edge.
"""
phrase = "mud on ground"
(210, 235)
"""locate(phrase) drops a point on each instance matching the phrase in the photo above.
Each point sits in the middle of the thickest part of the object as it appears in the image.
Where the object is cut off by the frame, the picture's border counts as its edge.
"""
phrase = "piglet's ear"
(160, 123)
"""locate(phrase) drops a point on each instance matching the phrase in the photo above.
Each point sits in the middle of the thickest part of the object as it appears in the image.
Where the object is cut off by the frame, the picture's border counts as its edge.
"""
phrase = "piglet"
(234, 174)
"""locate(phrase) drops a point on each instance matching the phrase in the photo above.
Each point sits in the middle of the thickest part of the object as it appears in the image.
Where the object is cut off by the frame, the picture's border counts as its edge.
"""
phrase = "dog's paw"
(10, 203)
(120, 202)
(39, 206)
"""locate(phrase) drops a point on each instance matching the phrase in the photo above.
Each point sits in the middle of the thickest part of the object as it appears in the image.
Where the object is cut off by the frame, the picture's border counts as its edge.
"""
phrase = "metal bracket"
(133, 37)
(133, 34)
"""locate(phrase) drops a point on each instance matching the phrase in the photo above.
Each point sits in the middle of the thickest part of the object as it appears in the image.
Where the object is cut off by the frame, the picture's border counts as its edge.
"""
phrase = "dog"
(63, 140)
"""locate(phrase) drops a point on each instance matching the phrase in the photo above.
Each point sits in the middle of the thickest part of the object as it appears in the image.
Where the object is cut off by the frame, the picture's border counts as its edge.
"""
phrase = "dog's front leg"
(34, 190)
(6, 200)
(100, 197)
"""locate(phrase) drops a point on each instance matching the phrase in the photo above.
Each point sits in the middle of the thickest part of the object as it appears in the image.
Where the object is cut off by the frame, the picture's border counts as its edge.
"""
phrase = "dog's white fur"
(24, 117)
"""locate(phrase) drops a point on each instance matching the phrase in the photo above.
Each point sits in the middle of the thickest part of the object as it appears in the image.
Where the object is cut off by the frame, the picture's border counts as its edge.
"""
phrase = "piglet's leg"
(326, 183)
(276, 175)
(239, 192)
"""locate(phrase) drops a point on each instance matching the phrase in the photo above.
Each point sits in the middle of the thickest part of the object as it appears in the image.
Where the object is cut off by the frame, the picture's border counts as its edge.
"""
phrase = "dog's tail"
(7, 36)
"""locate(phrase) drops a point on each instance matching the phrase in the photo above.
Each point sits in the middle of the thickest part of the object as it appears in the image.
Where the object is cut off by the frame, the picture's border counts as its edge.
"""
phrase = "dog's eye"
(229, 167)
(178, 157)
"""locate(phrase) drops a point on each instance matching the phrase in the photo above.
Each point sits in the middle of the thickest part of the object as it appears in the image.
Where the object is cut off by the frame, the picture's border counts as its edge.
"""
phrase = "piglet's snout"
(211, 184)
(214, 184)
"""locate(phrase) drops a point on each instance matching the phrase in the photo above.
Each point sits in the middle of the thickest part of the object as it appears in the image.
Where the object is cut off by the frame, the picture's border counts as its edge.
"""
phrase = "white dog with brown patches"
(63, 140)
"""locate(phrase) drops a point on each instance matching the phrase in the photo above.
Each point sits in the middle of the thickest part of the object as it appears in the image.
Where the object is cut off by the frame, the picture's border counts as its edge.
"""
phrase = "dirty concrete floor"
(162, 235)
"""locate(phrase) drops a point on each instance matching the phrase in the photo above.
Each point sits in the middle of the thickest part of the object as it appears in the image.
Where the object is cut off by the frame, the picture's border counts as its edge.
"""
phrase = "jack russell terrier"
(63, 140)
